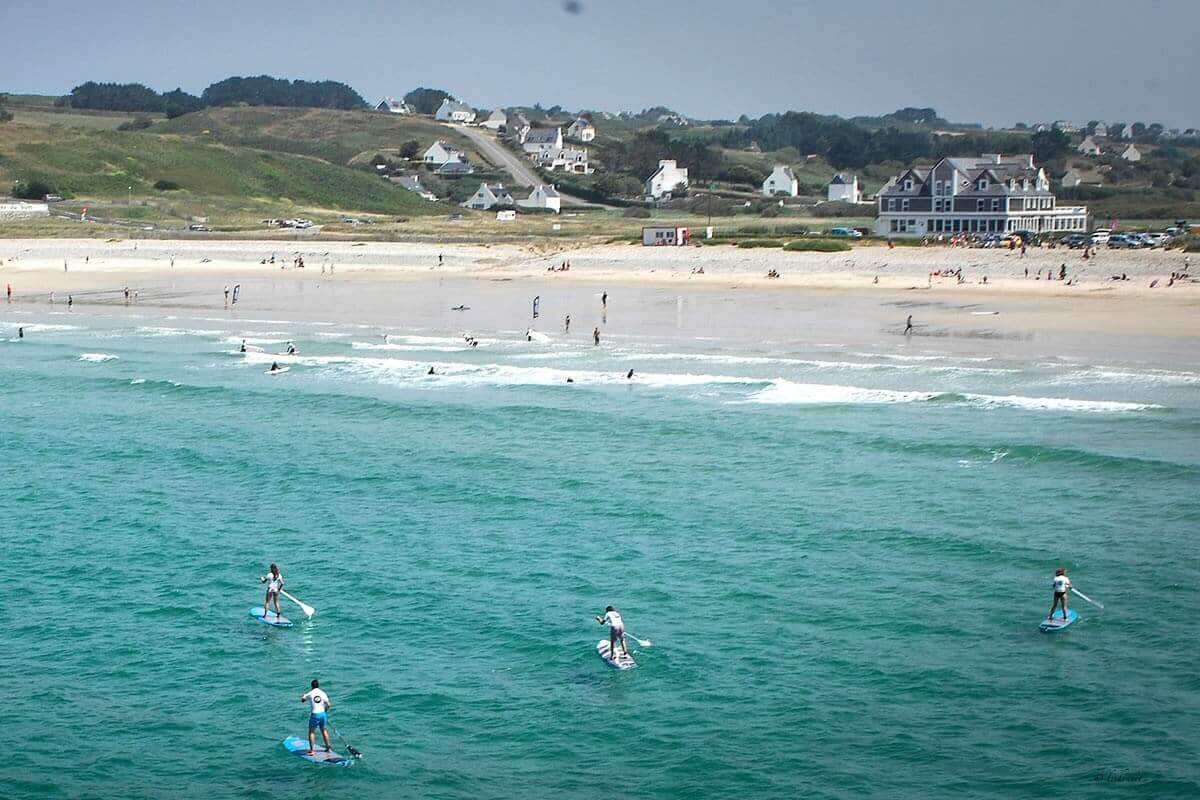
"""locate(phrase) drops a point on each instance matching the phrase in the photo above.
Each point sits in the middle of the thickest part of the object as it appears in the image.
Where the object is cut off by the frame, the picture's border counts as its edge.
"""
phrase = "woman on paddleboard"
(1062, 587)
(616, 630)
(274, 582)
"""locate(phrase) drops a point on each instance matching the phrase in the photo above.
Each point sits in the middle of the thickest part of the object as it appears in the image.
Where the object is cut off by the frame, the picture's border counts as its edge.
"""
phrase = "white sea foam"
(1057, 403)
(155, 332)
(401, 347)
(789, 392)
(39, 327)
(137, 381)
(97, 357)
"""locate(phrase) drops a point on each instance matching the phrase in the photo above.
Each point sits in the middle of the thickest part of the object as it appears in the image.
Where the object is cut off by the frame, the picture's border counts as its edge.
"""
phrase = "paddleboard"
(275, 621)
(621, 661)
(299, 747)
(279, 371)
(1058, 623)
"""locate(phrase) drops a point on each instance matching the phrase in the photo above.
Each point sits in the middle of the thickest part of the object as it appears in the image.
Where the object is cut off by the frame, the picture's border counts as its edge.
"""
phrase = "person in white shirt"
(274, 582)
(616, 630)
(318, 706)
(1062, 587)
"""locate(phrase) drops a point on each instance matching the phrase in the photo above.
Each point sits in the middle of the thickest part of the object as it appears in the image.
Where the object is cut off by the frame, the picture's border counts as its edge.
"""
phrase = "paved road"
(516, 166)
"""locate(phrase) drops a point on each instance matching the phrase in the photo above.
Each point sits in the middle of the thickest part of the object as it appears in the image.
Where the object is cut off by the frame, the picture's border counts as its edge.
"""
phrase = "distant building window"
(904, 205)
(892, 204)
(996, 205)
(983, 184)
(908, 184)
(979, 205)
(894, 226)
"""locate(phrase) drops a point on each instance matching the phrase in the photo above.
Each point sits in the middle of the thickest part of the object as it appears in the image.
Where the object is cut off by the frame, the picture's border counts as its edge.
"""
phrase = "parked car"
(1156, 239)
(196, 226)
(850, 232)
(1122, 241)
(1100, 236)
(1076, 240)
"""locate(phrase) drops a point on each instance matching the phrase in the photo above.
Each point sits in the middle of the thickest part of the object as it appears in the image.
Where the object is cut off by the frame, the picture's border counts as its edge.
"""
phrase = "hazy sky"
(990, 62)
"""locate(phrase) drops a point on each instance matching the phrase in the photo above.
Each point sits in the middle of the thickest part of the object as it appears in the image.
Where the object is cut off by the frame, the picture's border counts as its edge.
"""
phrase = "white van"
(1100, 235)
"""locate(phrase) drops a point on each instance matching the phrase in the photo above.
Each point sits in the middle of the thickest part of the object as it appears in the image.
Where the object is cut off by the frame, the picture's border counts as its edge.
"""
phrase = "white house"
(1088, 146)
(496, 120)
(413, 184)
(582, 130)
(844, 188)
(1132, 154)
(1124, 132)
(453, 111)
(568, 159)
(393, 106)
(538, 139)
(781, 181)
(665, 179)
(1100, 130)
(489, 196)
(1064, 125)
(519, 127)
(666, 237)
(439, 153)
(544, 196)
(1070, 179)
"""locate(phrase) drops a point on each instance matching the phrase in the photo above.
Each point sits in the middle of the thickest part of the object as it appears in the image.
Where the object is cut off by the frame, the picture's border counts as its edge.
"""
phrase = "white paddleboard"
(620, 661)
(279, 371)
(299, 747)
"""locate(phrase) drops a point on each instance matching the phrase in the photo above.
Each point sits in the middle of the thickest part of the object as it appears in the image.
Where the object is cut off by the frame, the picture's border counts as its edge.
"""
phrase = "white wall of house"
(439, 153)
(781, 181)
(665, 179)
(1132, 154)
(844, 192)
(543, 197)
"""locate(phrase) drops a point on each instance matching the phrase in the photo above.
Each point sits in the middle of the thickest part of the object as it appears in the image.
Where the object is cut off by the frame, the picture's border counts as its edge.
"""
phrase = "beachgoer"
(431, 372)
(318, 707)
(243, 347)
(439, 259)
(908, 326)
(604, 300)
(52, 298)
(273, 579)
(596, 335)
(1062, 587)
(9, 287)
(70, 300)
(226, 295)
(567, 327)
(537, 302)
(274, 366)
(630, 375)
(529, 334)
(616, 630)
(21, 333)
(291, 349)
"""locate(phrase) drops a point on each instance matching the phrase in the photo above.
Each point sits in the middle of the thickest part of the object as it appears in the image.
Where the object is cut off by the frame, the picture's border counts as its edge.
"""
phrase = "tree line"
(261, 90)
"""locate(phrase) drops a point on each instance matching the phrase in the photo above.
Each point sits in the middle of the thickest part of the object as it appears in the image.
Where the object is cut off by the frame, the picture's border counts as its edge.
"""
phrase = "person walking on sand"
(616, 630)
(9, 288)
(1062, 587)
(70, 301)
(273, 579)
(227, 295)
(908, 326)
(604, 301)
(318, 709)
(567, 326)
(596, 335)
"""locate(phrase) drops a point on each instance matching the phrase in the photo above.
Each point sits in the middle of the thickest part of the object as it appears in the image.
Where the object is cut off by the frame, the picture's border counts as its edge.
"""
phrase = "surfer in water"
(318, 706)
(243, 348)
(616, 630)
(291, 349)
(273, 579)
(1062, 587)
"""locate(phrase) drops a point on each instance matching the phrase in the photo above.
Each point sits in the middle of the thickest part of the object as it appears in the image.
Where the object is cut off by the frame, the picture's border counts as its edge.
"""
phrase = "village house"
(518, 127)
(538, 139)
(455, 169)
(844, 188)
(439, 153)
(1132, 154)
(781, 181)
(543, 197)
(496, 120)
(568, 159)
(413, 184)
(1100, 130)
(453, 111)
(664, 180)
(1122, 132)
(489, 196)
(990, 194)
(1070, 179)
(1089, 147)
(1064, 125)
(581, 130)
(393, 106)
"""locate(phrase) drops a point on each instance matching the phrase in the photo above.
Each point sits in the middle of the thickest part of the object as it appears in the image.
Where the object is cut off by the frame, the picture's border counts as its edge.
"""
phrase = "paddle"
(354, 751)
(641, 642)
(305, 607)
(1085, 597)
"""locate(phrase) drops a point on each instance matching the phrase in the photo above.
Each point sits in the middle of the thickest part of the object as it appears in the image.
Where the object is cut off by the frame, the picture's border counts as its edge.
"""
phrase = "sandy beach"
(861, 293)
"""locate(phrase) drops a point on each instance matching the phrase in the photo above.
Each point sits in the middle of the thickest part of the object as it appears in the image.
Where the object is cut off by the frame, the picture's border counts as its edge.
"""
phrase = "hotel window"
(895, 226)
(892, 204)
(904, 205)
(979, 205)
(983, 184)
(908, 184)
(995, 205)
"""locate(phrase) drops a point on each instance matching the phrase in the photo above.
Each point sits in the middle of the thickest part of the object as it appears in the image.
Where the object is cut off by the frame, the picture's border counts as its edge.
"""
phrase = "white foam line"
(97, 357)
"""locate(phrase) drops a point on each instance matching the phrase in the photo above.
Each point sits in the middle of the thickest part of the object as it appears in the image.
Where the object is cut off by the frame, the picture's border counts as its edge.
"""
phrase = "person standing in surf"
(273, 579)
(1062, 587)
(318, 708)
(616, 630)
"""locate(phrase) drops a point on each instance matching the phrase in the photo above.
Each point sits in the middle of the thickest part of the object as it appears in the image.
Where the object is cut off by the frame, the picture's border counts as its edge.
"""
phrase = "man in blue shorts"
(318, 705)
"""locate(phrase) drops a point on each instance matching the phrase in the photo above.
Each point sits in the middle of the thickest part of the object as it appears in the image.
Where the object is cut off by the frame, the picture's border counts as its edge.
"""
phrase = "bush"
(166, 186)
(840, 209)
(816, 246)
(32, 190)
(751, 243)
(636, 212)
(136, 124)
(770, 212)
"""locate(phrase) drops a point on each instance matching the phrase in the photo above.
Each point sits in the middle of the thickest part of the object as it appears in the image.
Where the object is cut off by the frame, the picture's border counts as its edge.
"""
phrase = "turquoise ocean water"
(840, 553)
